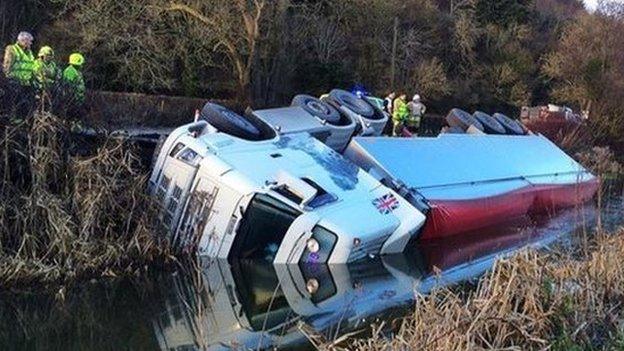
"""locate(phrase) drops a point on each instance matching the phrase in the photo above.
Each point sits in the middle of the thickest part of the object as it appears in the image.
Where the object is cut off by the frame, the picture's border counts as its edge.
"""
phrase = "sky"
(591, 4)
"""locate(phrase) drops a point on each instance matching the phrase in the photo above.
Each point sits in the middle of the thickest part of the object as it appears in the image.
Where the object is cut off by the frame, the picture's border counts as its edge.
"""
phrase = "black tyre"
(462, 119)
(317, 108)
(490, 124)
(511, 126)
(230, 122)
(352, 102)
(455, 130)
(378, 115)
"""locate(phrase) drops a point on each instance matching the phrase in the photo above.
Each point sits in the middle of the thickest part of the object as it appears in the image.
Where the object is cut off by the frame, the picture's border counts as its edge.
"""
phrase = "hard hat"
(76, 59)
(416, 97)
(45, 51)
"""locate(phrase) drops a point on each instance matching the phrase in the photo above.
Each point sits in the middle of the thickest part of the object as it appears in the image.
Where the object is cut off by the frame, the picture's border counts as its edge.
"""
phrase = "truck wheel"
(490, 124)
(455, 130)
(230, 122)
(512, 126)
(462, 119)
(378, 115)
(352, 102)
(317, 108)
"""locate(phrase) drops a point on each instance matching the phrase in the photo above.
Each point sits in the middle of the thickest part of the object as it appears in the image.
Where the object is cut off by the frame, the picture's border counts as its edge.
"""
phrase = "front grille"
(369, 247)
(172, 206)
(177, 192)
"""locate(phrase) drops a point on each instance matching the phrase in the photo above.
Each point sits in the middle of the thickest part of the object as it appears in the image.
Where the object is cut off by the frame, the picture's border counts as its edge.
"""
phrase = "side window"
(176, 149)
(190, 157)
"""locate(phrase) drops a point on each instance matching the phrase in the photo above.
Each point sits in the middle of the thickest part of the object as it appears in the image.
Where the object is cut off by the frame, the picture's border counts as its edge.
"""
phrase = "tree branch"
(191, 12)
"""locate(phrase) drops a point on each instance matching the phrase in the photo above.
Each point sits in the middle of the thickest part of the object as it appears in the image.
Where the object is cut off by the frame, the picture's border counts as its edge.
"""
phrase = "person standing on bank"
(400, 114)
(417, 110)
(46, 71)
(388, 101)
(19, 61)
(73, 79)
(17, 66)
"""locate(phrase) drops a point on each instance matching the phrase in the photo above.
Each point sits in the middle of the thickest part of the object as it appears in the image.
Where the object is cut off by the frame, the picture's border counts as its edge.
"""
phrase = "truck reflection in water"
(251, 304)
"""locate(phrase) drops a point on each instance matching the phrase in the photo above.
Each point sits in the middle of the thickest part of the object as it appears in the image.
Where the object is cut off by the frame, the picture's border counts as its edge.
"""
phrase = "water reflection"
(254, 304)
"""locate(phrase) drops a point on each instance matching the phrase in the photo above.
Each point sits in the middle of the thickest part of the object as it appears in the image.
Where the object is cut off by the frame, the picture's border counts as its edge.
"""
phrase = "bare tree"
(234, 26)
(327, 37)
(430, 80)
(587, 69)
(465, 34)
(611, 8)
(123, 42)
(456, 5)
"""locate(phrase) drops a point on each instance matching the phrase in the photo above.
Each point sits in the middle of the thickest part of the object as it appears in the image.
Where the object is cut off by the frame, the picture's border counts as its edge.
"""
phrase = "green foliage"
(565, 343)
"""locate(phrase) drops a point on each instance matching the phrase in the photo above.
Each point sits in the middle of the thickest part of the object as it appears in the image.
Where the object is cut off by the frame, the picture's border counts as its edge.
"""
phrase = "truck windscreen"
(262, 228)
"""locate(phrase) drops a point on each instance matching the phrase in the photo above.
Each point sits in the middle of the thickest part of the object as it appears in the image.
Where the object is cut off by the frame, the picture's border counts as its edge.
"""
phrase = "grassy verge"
(63, 216)
(532, 301)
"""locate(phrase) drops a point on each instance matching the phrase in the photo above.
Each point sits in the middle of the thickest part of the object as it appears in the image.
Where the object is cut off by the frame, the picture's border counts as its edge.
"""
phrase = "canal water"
(215, 305)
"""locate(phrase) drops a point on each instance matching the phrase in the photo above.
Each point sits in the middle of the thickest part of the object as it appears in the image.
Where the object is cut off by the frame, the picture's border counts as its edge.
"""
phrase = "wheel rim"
(318, 107)
(240, 122)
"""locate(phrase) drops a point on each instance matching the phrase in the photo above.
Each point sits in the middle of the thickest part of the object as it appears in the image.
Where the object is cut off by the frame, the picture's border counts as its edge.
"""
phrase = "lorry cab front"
(288, 199)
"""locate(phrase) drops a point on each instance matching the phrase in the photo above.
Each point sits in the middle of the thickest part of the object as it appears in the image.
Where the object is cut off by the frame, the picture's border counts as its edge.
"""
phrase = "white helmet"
(416, 98)
(23, 36)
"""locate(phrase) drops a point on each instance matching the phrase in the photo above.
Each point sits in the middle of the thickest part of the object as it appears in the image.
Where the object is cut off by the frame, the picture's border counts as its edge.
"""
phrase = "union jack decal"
(386, 204)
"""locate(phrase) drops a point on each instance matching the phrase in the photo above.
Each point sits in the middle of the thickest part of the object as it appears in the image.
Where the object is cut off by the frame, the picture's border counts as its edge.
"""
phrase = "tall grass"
(64, 216)
(531, 301)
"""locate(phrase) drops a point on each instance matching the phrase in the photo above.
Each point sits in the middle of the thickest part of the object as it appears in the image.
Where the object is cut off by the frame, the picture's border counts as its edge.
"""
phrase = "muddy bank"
(117, 110)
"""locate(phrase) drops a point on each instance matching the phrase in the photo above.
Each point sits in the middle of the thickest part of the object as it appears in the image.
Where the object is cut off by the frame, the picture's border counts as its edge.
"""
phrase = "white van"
(283, 198)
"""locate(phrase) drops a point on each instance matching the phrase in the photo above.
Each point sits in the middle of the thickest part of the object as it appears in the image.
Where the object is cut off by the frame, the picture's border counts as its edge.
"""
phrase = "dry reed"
(531, 301)
(64, 216)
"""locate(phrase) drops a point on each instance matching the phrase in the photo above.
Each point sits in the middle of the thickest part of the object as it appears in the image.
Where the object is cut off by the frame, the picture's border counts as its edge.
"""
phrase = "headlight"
(313, 245)
(319, 247)
(357, 242)
(312, 285)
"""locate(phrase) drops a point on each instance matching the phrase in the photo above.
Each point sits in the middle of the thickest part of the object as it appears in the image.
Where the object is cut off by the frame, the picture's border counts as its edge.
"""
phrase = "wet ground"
(251, 304)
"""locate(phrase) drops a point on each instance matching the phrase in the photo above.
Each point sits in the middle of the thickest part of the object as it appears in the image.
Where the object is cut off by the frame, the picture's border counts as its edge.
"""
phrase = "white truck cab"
(283, 198)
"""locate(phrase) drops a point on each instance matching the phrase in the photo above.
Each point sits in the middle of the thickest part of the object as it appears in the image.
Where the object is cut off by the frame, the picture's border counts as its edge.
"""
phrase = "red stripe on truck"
(451, 217)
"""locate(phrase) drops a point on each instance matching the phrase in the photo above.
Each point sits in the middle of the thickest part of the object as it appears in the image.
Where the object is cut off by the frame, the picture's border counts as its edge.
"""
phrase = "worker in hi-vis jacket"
(19, 61)
(73, 79)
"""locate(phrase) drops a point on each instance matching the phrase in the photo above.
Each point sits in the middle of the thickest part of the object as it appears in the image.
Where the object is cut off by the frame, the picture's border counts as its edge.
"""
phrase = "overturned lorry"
(315, 182)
